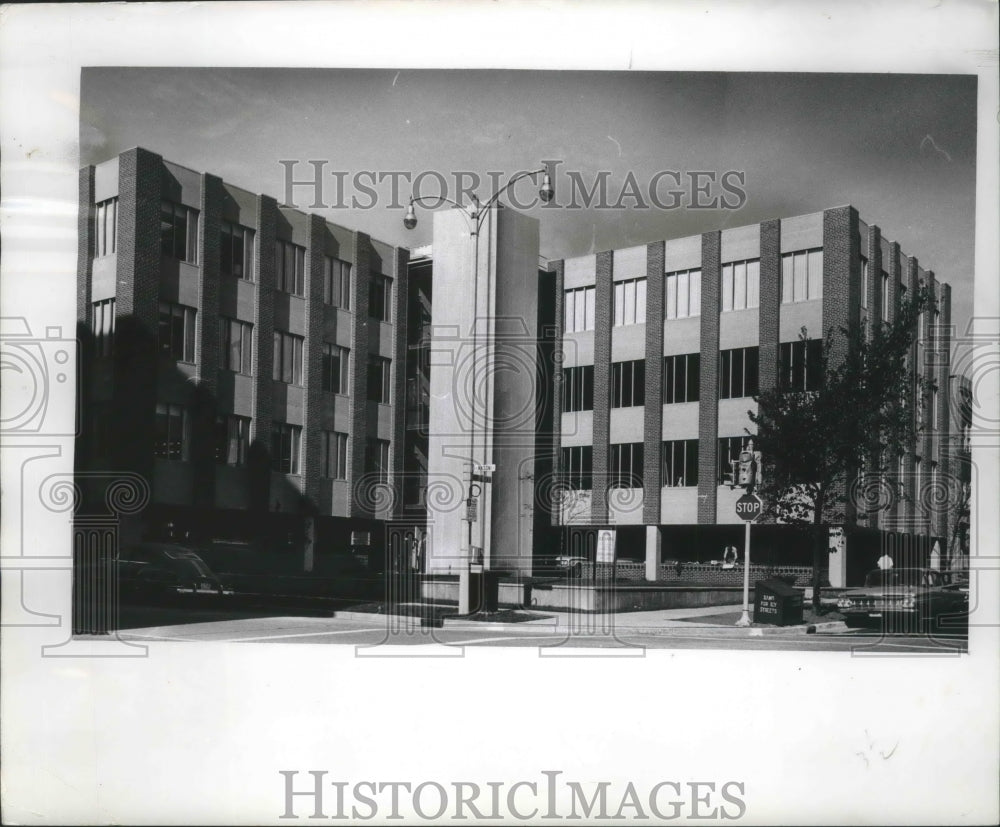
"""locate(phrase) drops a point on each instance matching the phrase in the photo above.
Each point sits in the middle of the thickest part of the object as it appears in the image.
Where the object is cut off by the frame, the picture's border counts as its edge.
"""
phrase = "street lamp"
(475, 214)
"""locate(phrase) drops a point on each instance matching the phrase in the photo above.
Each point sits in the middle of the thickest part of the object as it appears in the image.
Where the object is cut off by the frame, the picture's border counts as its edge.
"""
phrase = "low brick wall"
(695, 573)
(624, 597)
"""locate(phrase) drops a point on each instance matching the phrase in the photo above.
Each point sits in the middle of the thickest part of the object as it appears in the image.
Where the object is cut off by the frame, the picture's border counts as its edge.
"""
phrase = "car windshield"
(902, 577)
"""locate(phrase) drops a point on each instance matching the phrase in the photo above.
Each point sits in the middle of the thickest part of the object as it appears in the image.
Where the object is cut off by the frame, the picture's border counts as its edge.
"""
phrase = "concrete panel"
(385, 340)
(578, 349)
(575, 508)
(802, 232)
(733, 417)
(240, 206)
(629, 263)
(577, 428)
(682, 336)
(294, 226)
(578, 272)
(793, 317)
(106, 180)
(679, 506)
(104, 279)
(680, 421)
(382, 416)
(741, 243)
(173, 482)
(682, 254)
(286, 491)
(245, 299)
(188, 286)
(181, 185)
(296, 315)
(242, 398)
(739, 328)
(232, 487)
(287, 403)
(340, 493)
(342, 414)
(627, 424)
(625, 506)
(628, 342)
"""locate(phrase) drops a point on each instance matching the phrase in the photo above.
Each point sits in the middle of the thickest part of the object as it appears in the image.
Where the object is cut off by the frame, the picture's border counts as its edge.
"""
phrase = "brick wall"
(400, 297)
(653, 413)
(136, 309)
(842, 293)
(770, 303)
(84, 276)
(263, 353)
(943, 434)
(708, 409)
(204, 407)
(602, 386)
(359, 370)
(312, 394)
(559, 268)
(908, 513)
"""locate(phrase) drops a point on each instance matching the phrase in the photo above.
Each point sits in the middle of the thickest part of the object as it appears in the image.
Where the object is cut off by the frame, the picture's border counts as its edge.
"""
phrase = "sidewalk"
(704, 621)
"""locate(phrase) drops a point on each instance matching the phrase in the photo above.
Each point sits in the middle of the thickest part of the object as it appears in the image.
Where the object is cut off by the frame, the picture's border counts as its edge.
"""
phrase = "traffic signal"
(748, 470)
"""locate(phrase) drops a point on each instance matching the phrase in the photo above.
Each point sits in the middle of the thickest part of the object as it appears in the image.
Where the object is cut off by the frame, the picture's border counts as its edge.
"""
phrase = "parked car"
(571, 565)
(166, 570)
(912, 599)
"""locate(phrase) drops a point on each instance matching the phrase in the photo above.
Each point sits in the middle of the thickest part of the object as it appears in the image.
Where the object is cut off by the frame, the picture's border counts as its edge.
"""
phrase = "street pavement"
(553, 633)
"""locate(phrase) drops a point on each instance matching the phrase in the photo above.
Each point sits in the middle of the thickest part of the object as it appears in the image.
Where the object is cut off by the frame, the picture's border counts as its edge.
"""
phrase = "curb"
(546, 626)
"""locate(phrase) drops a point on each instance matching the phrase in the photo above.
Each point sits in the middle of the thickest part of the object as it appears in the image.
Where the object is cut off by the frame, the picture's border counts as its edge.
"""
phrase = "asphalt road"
(381, 634)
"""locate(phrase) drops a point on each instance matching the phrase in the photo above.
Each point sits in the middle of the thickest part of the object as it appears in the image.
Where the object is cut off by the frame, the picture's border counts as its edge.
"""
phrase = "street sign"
(748, 507)
(486, 468)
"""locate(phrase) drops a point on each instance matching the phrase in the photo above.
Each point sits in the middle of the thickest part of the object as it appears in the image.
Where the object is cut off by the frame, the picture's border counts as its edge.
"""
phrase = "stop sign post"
(748, 509)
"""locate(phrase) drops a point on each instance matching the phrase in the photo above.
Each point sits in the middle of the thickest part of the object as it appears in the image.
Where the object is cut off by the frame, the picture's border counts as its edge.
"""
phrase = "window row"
(176, 333)
(106, 228)
(179, 232)
(800, 365)
(682, 294)
(801, 276)
(629, 302)
(103, 325)
(741, 285)
(678, 458)
(739, 372)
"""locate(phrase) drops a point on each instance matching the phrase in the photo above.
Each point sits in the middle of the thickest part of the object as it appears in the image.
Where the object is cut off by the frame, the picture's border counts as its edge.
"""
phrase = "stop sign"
(748, 507)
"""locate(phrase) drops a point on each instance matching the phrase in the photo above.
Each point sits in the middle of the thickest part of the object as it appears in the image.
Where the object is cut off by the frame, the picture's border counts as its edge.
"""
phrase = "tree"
(814, 442)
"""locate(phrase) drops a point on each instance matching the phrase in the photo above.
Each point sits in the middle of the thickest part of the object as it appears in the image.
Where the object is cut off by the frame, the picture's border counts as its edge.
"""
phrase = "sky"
(901, 148)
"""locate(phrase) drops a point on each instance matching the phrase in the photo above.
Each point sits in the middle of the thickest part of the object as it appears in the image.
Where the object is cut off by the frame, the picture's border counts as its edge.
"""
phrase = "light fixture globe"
(547, 192)
(410, 219)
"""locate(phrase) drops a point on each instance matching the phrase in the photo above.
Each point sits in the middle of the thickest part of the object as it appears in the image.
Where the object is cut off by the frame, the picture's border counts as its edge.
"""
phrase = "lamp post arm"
(484, 207)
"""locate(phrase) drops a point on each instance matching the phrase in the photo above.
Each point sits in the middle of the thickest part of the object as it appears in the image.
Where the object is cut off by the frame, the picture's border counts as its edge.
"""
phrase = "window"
(801, 365)
(171, 432)
(232, 439)
(681, 378)
(738, 372)
(176, 332)
(106, 228)
(630, 302)
(864, 282)
(335, 371)
(577, 467)
(235, 346)
(729, 452)
(377, 458)
(179, 232)
(104, 327)
(380, 298)
(885, 297)
(625, 470)
(379, 377)
(680, 462)
(579, 309)
(334, 455)
(236, 251)
(287, 358)
(802, 276)
(683, 294)
(578, 389)
(628, 384)
(337, 283)
(285, 447)
(290, 266)
(741, 284)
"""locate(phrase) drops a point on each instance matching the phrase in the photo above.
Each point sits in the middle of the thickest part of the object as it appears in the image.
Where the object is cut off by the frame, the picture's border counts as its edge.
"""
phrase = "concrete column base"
(654, 552)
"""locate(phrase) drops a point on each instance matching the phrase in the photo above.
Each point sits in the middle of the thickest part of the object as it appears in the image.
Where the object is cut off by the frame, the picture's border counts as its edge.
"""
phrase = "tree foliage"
(814, 443)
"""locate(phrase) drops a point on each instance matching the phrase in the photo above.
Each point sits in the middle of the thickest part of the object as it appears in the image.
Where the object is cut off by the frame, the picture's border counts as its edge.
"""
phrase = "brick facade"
(653, 412)
(602, 385)
(708, 409)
